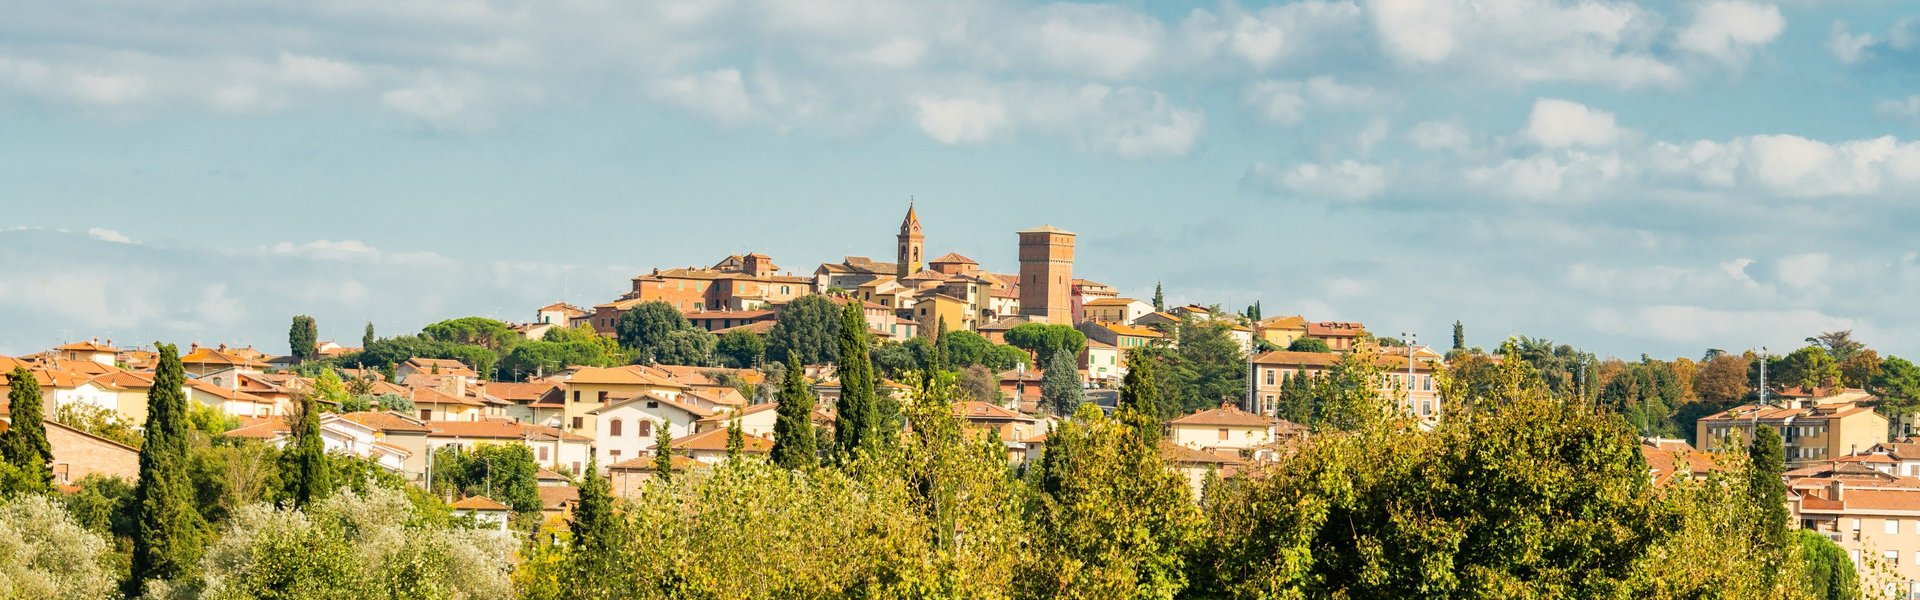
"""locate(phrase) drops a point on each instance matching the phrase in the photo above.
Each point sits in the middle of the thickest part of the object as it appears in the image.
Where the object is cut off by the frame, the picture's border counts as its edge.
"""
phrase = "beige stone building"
(1873, 515)
(1820, 426)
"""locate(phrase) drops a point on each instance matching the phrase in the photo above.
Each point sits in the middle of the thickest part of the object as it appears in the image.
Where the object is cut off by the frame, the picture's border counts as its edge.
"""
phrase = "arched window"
(646, 428)
(613, 428)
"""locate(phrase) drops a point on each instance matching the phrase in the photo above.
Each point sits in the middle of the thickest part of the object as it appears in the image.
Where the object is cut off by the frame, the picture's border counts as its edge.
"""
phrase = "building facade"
(1046, 274)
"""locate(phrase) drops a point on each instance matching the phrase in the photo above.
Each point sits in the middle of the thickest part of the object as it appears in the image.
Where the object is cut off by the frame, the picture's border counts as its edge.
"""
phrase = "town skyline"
(1663, 180)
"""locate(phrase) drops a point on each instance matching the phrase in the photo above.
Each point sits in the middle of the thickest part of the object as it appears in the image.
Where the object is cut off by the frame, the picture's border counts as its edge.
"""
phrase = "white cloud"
(1347, 180)
(1804, 270)
(721, 94)
(893, 53)
(960, 120)
(1557, 123)
(325, 249)
(1126, 121)
(1097, 40)
(1440, 135)
(108, 235)
(317, 72)
(1848, 47)
(1906, 108)
(1705, 325)
(1730, 30)
(1524, 40)
(1568, 176)
(1287, 102)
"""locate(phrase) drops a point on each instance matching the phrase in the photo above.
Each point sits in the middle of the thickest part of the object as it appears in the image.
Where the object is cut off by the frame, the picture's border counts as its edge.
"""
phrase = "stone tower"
(1046, 274)
(911, 239)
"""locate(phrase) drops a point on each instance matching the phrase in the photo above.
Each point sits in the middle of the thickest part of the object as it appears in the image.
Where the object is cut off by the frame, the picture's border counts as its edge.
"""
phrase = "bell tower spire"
(911, 240)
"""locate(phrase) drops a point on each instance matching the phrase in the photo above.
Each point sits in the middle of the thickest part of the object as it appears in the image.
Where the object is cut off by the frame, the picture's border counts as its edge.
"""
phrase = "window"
(426, 414)
(602, 397)
(543, 454)
(645, 428)
(1892, 556)
(653, 404)
(1856, 524)
(613, 428)
(576, 466)
(1223, 435)
(1269, 376)
(579, 422)
(615, 454)
(576, 395)
(1892, 526)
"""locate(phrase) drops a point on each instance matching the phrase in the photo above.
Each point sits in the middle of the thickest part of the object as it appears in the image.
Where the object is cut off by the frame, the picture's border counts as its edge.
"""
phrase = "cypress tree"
(24, 444)
(597, 533)
(366, 339)
(169, 533)
(1159, 300)
(1140, 397)
(1459, 336)
(306, 475)
(793, 443)
(858, 414)
(1060, 388)
(302, 339)
(937, 362)
(1767, 486)
(663, 453)
(736, 439)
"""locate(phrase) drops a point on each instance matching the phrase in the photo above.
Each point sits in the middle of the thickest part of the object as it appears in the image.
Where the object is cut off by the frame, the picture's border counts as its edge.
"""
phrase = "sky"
(1627, 177)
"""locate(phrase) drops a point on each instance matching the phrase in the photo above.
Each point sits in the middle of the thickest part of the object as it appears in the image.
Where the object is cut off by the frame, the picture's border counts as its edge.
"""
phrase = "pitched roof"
(645, 464)
(479, 503)
(226, 394)
(716, 439)
(975, 410)
(562, 306)
(613, 403)
(1111, 302)
(440, 366)
(428, 395)
(1225, 416)
(499, 429)
(86, 346)
(1178, 454)
(265, 429)
(519, 391)
(1289, 322)
(1130, 330)
(1335, 329)
(554, 497)
(216, 356)
(627, 375)
(953, 257)
(387, 421)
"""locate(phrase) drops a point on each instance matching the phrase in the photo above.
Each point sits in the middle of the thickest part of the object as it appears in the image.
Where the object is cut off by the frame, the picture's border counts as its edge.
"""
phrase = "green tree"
(808, 327)
(49, 556)
(663, 454)
(1112, 520)
(691, 347)
(1060, 387)
(169, 534)
(793, 442)
(965, 348)
(740, 349)
(1809, 367)
(1898, 385)
(1043, 340)
(1459, 336)
(1829, 571)
(1159, 299)
(1140, 389)
(1307, 344)
(492, 334)
(736, 440)
(858, 410)
(302, 339)
(1766, 471)
(305, 472)
(366, 338)
(329, 389)
(598, 536)
(648, 325)
(24, 444)
(1296, 399)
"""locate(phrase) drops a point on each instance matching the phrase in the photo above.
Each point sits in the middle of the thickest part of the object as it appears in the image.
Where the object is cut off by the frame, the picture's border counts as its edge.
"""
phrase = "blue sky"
(1656, 177)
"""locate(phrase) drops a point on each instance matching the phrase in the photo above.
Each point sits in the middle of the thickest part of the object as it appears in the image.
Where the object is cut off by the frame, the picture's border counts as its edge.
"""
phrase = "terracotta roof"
(982, 411)
(716, 440)
(1003, 324)
(1018, 375)
(226, 394)
(1183, 455)
(627, 375)
(521, 392)
(1228, 416)
(387, 421)
(953, 257)
(265, 429)
(1130, 330)
(427, 395)
(1335, 329)
(692, 375)
(723, 417)
(214, 356)
(562, 306)
(444, 366)
(1111, 302)
(479, 503)
(86, 346)
(555, 497)
(730, 314)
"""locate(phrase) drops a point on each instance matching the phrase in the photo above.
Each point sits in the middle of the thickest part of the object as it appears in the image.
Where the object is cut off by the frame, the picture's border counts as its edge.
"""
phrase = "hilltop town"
(695, 369)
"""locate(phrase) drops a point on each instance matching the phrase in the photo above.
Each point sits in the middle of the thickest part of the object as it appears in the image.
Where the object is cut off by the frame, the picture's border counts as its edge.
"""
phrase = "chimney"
(195, 346)
(1837, 491)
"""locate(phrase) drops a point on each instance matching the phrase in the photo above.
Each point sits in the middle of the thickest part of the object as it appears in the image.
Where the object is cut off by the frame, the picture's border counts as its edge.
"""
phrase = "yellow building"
(1281, 331)
(592, 387)
(932, 308)
(1813, 426)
